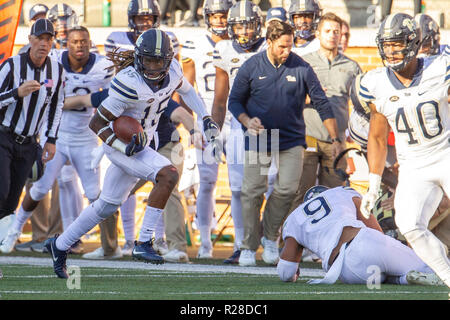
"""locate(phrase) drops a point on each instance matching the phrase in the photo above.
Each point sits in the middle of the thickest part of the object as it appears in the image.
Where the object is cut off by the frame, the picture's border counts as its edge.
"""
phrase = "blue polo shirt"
(276, 95)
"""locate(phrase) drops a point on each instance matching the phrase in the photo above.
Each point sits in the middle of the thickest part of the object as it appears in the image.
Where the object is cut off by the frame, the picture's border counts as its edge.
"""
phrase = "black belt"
(18, 138)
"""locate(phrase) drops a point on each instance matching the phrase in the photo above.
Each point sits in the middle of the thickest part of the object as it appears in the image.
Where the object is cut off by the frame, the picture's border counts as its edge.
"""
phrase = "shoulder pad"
(122, 85)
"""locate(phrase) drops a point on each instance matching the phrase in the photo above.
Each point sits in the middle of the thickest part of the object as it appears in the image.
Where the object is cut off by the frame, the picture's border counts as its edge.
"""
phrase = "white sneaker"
(204, 253)
(309, 256)
(9, 242)
(5, 224)
(425, 279)
(176, 255)
(128, 248)
(99, 254)
(270, 254)
(247, 258)
(160, 246)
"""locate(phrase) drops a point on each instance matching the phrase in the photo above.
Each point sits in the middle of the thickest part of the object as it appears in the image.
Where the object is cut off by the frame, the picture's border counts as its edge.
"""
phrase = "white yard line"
(178, 267)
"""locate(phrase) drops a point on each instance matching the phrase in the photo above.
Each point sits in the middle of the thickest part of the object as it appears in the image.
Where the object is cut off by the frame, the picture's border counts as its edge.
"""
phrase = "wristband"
(374, 182)
(119, 146)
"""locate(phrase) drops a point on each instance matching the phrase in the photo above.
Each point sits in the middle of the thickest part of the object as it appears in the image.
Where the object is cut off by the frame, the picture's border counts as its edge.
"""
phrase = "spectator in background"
(192, 20)
(345, 36)
(336, 73)
(268, 97)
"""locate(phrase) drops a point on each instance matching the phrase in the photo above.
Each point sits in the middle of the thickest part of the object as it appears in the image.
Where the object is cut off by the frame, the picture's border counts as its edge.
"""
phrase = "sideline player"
(244, 26)
(155, 75)
(410, 95)
(330, 224)
(304, 16)
(84, 73)
(197, 59)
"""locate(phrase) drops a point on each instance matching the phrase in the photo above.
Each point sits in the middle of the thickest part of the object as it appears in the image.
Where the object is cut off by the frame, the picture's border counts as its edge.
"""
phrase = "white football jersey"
(419, 114)
(131, 96)
(317, 224)
(229, 56)
(306, 48)
(124, 40)
(201, 51)
(74, 127)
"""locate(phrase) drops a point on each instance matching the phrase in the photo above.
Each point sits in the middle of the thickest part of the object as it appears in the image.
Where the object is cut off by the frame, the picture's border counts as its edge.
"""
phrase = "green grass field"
(32, 278)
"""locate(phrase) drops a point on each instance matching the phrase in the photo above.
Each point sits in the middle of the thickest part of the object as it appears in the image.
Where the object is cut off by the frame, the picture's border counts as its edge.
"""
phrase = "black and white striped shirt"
(26, 115)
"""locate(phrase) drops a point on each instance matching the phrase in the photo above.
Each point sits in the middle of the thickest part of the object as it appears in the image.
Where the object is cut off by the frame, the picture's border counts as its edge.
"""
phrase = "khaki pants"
(318, 166)
(174, 212)
(46, 218)
(254, 186)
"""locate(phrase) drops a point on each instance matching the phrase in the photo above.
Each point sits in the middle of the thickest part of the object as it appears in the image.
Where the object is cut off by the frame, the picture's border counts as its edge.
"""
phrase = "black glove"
(137, 144)
(211, 128)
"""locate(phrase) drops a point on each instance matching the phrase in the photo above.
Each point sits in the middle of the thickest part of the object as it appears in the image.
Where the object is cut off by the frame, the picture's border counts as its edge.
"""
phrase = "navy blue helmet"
(312, 7)
(399, 27)
(143, 8)
(429, 33)
(153, 55)
(246, 15)
(314, 192)
(212, 7)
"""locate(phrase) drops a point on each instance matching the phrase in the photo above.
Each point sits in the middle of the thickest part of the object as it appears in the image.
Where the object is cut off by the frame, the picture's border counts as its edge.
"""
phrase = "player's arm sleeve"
(240, 92)
(191, 98)
(55, 110)
(318, 98)
(8, 94)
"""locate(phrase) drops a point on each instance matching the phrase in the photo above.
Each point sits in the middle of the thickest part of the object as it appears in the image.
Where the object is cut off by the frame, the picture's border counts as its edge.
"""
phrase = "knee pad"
(67, 174)
(104, 209)
(36, 194)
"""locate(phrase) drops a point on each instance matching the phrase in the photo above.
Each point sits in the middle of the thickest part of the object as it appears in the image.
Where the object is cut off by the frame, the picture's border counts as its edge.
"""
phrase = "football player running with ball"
(147, 79)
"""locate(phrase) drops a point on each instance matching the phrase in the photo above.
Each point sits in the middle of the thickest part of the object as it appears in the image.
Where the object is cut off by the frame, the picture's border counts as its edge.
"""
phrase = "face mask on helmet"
(304, 24)
(144, 22)
(245, 33)
(62, 26)
(398, 41)
(217, 23)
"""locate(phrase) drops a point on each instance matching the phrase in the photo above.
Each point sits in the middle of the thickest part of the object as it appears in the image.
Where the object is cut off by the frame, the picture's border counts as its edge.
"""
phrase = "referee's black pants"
(16, 161)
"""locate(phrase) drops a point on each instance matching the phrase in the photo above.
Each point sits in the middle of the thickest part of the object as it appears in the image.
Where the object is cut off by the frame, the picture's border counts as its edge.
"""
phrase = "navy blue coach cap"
(276, 13)
(42, 26)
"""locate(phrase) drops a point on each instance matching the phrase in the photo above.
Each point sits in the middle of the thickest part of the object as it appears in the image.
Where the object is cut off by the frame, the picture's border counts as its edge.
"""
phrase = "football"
(125, 127)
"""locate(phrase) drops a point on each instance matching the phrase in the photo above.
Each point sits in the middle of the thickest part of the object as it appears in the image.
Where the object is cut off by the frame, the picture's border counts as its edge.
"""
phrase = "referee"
(31, 93)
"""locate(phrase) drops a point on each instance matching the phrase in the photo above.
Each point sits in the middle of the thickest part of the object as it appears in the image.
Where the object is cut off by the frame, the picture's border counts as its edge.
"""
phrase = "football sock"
(21, 219)
(238, 222)
(205, 203)
(127, 212)
(149, 224)
(205, 235)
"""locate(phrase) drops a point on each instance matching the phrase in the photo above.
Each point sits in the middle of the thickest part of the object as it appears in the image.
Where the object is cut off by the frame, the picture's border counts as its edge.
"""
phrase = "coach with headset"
(31, 93)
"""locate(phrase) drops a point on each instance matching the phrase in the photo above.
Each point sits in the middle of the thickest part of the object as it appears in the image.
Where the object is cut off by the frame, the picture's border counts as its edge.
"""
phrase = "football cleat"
(59, 258)
(145, 251)
(176, 255)
(234, 258)
(425, 279)
(9, 242)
